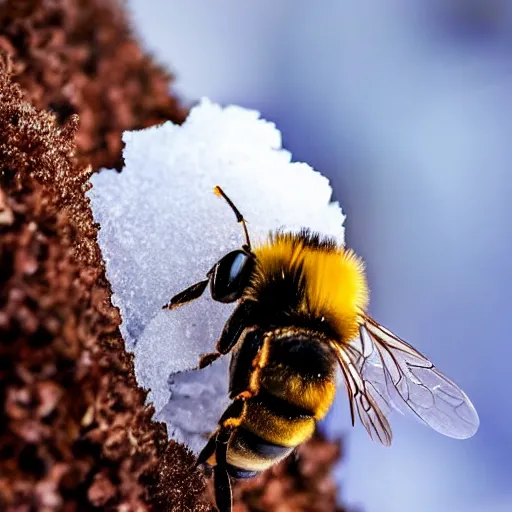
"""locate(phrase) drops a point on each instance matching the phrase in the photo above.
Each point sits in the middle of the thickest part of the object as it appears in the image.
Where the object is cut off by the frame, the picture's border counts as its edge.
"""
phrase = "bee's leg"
(191, 293)
(208, 450)
(207, 359)
(229, 419)
(218, 445)
(241, 367)
(239, 320)
(221, 482)
(244, 385)
(232, 416)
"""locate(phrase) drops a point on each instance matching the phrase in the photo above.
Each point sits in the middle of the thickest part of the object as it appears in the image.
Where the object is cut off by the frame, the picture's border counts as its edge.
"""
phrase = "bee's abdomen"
(277, 421)
(249, 453)
(301, 372)
(270, 429)
(296, 388)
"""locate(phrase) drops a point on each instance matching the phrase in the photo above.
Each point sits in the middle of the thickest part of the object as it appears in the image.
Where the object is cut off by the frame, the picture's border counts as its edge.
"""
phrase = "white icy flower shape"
(162, 228)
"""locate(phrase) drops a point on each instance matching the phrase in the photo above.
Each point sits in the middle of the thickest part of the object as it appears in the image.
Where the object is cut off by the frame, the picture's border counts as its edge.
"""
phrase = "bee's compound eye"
(231, 276)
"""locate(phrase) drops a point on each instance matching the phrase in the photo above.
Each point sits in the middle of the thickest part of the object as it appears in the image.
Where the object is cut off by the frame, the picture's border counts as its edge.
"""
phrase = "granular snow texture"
(162, 228)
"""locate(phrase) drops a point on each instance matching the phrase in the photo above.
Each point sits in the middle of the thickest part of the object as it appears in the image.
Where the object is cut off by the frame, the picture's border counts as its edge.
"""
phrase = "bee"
(300, 315)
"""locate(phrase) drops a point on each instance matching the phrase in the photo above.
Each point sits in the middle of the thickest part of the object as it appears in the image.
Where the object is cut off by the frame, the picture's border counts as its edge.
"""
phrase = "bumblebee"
(301, 315)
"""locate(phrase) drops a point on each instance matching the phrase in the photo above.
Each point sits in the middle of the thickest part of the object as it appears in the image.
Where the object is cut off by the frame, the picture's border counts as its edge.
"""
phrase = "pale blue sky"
(407, 108)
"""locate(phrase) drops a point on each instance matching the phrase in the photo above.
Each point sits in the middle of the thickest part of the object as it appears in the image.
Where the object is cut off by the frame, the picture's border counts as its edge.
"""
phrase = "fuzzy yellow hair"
(334, 280)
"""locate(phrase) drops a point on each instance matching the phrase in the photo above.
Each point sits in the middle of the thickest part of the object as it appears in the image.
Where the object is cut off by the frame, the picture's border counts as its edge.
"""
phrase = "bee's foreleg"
(191, 293)
(239, 320)
(207, 359)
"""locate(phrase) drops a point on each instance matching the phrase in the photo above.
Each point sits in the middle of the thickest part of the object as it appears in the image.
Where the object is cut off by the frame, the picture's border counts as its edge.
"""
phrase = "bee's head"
(230, 275)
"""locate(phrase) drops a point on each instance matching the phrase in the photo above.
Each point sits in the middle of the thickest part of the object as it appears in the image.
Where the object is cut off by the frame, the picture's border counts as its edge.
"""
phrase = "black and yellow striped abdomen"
(295, 388)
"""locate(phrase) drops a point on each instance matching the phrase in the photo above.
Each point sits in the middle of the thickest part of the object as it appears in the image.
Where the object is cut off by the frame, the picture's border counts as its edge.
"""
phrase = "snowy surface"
(199, 397)
(162, 228)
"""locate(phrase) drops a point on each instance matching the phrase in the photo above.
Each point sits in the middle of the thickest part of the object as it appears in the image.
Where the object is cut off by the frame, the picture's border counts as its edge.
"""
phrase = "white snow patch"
(162, 229)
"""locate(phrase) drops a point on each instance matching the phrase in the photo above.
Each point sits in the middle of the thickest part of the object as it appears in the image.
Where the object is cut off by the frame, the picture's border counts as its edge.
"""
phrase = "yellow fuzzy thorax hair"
(333, 277)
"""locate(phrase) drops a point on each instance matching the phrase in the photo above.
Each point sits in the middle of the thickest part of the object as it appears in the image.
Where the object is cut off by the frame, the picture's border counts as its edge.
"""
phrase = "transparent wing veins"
(415, 385)
(383, 372)
(363, 396)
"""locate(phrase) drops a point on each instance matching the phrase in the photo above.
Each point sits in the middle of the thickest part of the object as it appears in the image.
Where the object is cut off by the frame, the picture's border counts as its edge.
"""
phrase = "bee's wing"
(366, 388)
(409, 382)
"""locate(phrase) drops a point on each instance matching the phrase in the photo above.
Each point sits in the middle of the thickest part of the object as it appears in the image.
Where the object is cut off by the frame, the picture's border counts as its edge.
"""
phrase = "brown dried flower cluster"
(80, 57)
(74, 431)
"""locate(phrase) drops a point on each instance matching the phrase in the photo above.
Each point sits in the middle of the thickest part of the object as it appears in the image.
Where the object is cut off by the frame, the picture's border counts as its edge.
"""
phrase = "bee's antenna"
(239, 217)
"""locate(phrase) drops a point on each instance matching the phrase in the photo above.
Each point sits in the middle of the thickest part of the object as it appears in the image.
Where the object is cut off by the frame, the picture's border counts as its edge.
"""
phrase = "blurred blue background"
(406, 106)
